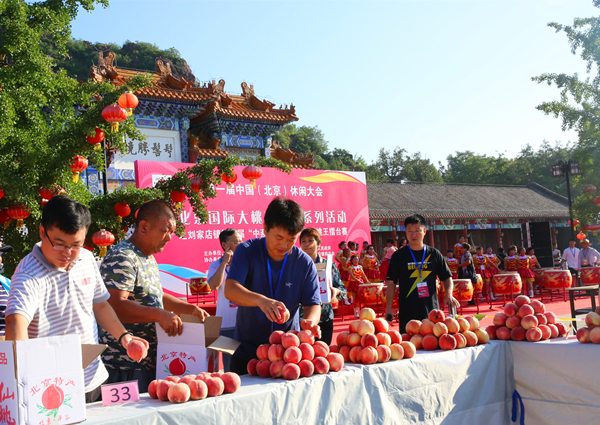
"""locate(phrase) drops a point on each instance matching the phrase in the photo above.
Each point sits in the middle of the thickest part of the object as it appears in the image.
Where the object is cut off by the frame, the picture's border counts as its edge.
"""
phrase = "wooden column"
(430, 239)
(499, 237)
(444, 242)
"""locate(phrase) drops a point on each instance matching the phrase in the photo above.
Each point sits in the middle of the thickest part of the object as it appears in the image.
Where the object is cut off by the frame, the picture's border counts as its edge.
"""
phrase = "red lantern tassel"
(178, 205)
(20, 223)
(120, 219)
(97, 146)
(75, 176)
(114, 126)
(129, 112)
(102, 251)
(7, 224)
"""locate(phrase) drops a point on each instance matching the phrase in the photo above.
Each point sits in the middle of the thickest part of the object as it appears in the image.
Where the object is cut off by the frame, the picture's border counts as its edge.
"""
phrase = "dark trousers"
(239, 366)
(326, 332)
(95, 394)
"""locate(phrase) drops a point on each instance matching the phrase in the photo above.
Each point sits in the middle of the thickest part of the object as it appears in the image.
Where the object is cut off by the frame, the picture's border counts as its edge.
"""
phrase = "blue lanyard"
(419, 267)
(269, 271)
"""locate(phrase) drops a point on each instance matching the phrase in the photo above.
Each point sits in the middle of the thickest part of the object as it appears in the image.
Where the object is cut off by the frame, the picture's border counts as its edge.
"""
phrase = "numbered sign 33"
(122, 392)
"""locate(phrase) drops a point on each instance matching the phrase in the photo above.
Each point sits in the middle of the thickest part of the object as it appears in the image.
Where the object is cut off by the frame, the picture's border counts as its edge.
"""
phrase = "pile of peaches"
(591, 332)
(370, 340)
(194, 387)
(526, 319)
(292, 355)
(447, 333)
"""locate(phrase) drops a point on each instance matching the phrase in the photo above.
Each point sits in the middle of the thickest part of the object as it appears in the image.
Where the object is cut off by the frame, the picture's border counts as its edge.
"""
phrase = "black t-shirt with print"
(403, 271)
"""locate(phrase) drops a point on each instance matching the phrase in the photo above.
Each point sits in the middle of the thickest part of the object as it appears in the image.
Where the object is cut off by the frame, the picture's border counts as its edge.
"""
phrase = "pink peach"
(291, 372)
(409, 349)
(413, 327)
(322, 365)
(307, 368)
(397, 351)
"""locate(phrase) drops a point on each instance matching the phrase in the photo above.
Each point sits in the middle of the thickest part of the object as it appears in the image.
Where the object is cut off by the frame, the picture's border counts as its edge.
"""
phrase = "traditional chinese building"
(185, 122)
(498, 216)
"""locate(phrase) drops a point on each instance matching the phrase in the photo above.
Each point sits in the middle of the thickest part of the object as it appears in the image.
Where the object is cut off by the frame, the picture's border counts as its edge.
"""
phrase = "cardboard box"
(325, 279)
(39, 382)
(196, 350)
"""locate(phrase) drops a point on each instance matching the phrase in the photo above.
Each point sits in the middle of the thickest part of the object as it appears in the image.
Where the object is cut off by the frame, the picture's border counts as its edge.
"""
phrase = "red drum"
(503, 282)
(463, 289)
(590, 276)
(368, 292)
(383, 296)
(199, 286)
(557, 279)
(479, 284)
(539, 276)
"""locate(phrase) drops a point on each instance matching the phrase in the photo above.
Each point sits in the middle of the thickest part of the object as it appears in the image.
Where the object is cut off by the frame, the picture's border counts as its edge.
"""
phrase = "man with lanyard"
(217, 275)
(268, 275)
(571, 257)
(415, 269)
(588, 256)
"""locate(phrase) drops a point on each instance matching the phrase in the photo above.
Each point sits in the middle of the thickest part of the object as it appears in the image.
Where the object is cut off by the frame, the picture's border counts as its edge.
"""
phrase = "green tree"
(342, 160)
(579, 107)
(397, 165)
(137, 55)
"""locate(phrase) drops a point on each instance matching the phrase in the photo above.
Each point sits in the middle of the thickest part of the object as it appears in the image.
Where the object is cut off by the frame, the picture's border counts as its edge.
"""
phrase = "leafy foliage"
(397, 166)
(579, 108)
(81, 54)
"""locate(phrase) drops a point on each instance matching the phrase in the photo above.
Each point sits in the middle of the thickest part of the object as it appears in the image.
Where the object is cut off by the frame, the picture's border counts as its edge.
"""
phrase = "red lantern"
(19, 213)
(229, 180)
(97, 139)
(122, 210)
(581, 236)
(178, 197)
(128, 101)
(78, 165)
(5, 218)
(252, 172)
(103, 238)
(46, 194)
(114, 114)
(196, 184)
(597, 200)
(1, 194)
(591, 227)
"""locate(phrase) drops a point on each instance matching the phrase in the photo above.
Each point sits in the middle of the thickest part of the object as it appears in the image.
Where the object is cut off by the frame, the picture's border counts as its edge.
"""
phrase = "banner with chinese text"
(334, 202)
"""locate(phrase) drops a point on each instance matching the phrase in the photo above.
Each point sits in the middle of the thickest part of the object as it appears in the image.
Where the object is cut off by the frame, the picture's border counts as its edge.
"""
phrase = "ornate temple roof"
(213, 100)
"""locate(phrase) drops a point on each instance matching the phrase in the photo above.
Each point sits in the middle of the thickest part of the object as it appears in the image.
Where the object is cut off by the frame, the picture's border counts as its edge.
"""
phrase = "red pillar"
(444, 242)
(430, 239)
(499, 237)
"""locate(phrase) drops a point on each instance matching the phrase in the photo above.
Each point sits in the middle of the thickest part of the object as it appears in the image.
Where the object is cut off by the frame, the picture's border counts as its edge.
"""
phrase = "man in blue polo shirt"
(269, 272)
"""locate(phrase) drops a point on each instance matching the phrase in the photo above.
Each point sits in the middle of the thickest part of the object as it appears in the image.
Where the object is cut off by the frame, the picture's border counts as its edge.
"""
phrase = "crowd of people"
(58, 288)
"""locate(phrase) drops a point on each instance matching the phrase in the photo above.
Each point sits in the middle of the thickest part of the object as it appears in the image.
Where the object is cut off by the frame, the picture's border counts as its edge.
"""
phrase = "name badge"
(422, 289)
(585, 263)
(232, 305)
(482, 267)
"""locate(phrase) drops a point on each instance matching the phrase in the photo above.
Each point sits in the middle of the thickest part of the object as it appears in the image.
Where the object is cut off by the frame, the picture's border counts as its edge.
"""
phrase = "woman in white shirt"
(217, 275)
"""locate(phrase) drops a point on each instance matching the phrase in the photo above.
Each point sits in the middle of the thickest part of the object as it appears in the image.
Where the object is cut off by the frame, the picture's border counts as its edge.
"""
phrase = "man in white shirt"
(588, 256)
(571, 257)
(57, 289)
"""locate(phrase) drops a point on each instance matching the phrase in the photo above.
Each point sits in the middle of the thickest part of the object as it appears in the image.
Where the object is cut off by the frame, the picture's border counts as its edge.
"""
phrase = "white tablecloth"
(559, 381)
(467, 386)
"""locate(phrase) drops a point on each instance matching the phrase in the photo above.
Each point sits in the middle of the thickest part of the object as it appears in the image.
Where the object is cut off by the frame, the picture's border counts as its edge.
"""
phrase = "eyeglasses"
(60, 247)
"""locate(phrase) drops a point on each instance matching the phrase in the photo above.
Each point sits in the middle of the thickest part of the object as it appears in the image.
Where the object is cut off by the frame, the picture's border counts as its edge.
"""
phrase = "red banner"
(334, 202)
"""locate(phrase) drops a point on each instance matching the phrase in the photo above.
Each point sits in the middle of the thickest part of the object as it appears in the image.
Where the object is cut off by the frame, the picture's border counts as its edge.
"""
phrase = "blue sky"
(429, 76)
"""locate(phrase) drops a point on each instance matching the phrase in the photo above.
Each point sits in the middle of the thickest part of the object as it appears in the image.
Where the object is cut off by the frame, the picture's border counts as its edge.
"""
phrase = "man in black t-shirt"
(415, 268)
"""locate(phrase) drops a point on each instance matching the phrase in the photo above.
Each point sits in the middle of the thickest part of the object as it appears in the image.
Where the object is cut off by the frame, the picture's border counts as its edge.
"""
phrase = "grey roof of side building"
(399, 200)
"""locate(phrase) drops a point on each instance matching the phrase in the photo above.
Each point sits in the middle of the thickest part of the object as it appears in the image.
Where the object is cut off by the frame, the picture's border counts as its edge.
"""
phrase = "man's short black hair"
(285, 213)
(572, 240)
(500, 250)
(450, 250)
(66, 214)
(225, 234)
(390, 240)
(154, 210)
(415, 219)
